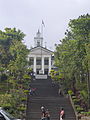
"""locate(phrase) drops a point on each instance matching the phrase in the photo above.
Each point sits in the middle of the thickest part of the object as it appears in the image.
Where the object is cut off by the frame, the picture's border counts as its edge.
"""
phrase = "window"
(38, 43)
(46, 71)
(46, 61)
(31, 61)
(38, 61)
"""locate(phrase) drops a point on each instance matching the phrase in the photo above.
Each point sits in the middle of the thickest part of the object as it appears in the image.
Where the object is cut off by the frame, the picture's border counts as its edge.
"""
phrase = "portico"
(41, 64)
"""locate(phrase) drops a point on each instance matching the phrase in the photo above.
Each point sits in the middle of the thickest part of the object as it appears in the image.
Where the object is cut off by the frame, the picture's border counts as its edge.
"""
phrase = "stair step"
(47, 96)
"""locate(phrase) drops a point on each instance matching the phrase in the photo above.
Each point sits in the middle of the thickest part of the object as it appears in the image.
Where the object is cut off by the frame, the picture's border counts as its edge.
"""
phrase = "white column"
(34, 64)
(49, 64)
(43, 64)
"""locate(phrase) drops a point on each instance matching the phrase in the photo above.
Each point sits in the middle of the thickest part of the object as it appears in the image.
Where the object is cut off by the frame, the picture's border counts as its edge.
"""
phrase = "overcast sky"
(27, 15)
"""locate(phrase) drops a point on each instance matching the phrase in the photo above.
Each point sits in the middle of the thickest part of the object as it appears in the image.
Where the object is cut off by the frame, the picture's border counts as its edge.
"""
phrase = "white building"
(40, 58)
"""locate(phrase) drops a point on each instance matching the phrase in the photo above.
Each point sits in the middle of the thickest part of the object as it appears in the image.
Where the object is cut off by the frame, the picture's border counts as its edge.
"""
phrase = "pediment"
(40, 50)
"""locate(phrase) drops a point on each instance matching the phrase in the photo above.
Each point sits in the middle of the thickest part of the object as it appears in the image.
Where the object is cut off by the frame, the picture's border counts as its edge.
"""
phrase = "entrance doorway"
(37, 71)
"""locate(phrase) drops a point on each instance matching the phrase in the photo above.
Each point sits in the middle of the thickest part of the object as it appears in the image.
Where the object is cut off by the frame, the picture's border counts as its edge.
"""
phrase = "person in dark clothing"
(43, 113)
(47, 115)
(34, 91)
(30, 92)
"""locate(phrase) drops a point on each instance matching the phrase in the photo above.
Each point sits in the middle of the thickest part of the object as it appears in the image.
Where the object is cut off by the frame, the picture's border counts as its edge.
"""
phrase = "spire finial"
(38, 32)
(45, 45)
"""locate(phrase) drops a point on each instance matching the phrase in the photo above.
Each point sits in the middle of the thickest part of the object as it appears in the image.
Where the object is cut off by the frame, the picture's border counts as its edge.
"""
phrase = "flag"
(43, 23)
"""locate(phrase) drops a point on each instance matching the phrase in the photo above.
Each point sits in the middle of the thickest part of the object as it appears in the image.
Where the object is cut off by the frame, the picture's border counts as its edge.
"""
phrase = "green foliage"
(26, 91)
(14, 102)
(27, 77)
(72, 55)
(56, 75)
(21, 108)
(79, 109)
(5, 98)
(84, 95)
(13, 69)
(73, 97)
(76, 101)
(70, 92)
(23, 99)
(85, 113)
(7, 106)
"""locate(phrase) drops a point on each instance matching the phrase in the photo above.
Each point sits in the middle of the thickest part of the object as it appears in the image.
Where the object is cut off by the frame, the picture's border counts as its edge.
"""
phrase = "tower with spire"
(38, 40)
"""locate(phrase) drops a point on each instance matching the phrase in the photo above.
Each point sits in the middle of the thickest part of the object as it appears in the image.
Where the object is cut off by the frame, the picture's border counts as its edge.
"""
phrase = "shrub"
(76, 106)
(85, 113)
(84, 95)
(7, 106)
(79, 109)
(23, 99)
(70, 92)
(22, 108)
(76, 101)
(26, 91)
(73, 97)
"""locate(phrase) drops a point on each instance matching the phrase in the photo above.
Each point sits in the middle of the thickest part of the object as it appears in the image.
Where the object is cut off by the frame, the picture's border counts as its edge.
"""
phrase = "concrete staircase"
(47, 96)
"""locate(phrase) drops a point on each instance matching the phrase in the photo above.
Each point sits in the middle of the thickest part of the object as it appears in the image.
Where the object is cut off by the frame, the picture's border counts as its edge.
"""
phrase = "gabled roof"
(39, 48)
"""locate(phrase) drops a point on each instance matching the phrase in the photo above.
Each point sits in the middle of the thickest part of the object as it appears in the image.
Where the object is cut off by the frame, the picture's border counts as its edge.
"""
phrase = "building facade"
(40, 58)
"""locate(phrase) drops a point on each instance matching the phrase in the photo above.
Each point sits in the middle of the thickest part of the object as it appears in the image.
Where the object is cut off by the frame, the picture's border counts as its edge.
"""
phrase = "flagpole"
(42, 30)
(42, 25)
(41, 43)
